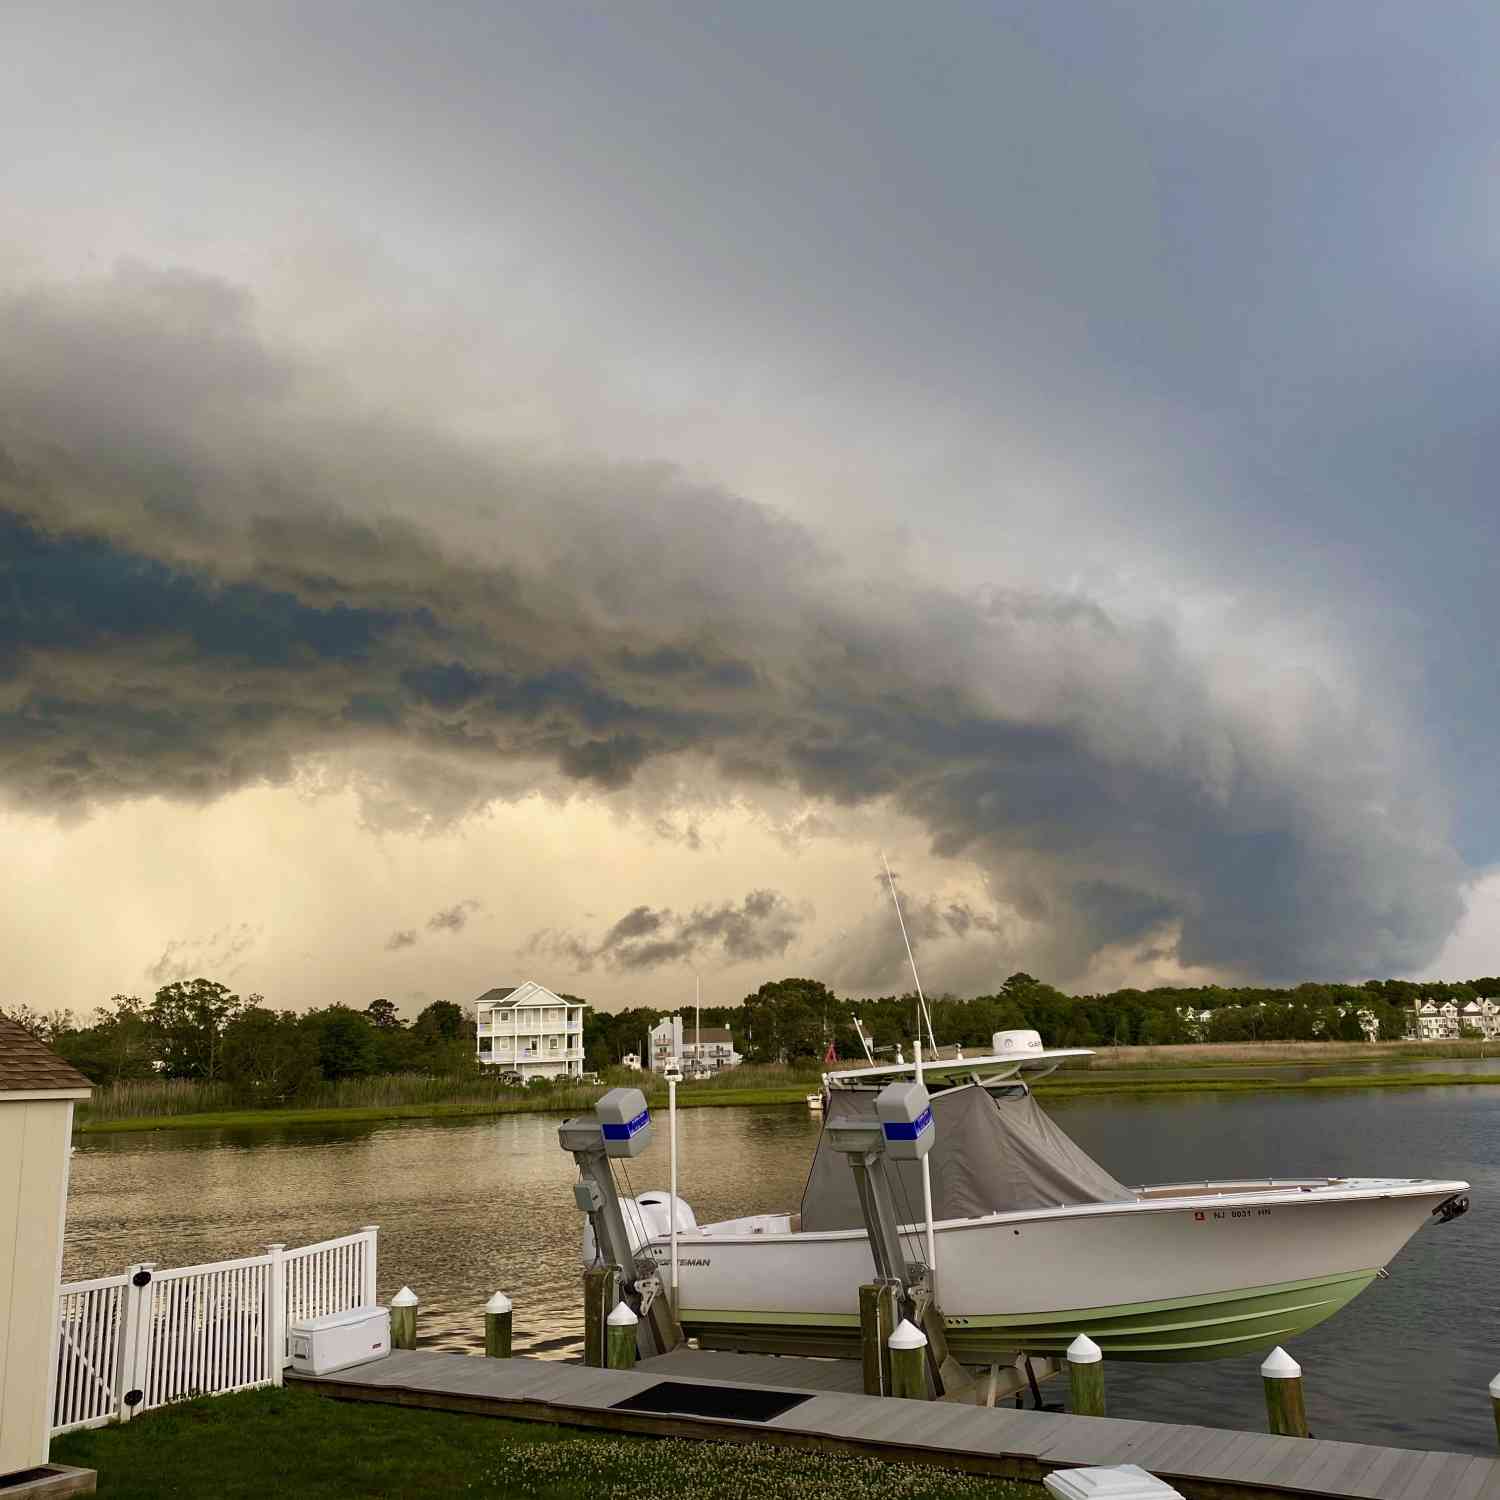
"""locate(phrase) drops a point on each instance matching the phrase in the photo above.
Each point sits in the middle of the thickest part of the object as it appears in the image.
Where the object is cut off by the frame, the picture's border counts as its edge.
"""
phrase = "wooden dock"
(733, 1398)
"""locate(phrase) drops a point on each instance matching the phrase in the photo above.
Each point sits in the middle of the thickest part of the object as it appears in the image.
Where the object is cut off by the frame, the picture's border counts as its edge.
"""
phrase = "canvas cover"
(990, 1155)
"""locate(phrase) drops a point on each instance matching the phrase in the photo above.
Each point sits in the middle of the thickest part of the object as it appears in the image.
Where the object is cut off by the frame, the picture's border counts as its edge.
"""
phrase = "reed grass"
(1237, 1054)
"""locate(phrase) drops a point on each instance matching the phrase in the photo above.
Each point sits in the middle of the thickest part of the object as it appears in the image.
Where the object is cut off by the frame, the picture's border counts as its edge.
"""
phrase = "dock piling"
(1495, 1403)
(497, 1318)
(1086, 1377)
(1282, 1377)
(404, 1319)
(908, 1349)
(879, 1303)
(601, 1291)
(620, 1337)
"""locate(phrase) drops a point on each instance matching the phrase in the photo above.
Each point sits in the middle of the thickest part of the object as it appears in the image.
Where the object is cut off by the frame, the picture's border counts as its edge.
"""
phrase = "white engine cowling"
(651, 1213)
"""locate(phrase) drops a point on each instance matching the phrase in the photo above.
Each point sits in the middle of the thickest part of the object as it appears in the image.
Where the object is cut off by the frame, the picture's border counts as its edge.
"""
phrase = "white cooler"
(335, 1342)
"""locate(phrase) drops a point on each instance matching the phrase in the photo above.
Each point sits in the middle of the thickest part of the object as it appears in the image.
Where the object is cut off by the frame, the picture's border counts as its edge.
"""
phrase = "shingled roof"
(28, 1066)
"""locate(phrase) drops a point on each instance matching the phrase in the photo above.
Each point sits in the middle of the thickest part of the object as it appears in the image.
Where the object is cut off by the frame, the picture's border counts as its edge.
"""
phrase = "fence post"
(135, 1353)
(275, 1324)
(370, 1295)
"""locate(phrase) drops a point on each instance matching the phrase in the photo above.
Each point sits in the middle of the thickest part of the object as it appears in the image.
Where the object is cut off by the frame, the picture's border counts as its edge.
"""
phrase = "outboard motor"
(650, 1212)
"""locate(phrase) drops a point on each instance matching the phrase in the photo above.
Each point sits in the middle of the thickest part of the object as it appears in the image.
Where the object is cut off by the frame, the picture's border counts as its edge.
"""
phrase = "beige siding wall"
(34, 1140)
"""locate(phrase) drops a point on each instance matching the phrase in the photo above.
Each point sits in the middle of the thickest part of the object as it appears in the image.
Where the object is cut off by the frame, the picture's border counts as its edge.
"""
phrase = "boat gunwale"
(1295, 1194)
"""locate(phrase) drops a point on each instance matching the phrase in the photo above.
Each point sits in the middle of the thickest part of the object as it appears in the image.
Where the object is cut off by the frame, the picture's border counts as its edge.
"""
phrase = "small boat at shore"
(815, 1103)
(1035, 1242)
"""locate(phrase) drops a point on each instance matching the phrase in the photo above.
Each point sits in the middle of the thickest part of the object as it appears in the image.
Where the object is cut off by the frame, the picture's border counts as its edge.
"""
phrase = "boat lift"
(903, 1130)
(620, 1128)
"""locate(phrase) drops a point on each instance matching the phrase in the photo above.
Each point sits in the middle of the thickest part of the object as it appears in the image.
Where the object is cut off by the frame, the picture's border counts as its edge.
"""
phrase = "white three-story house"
(526, 1029)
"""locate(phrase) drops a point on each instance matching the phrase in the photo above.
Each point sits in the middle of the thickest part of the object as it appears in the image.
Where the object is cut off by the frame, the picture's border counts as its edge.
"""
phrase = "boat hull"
(1165, 1278)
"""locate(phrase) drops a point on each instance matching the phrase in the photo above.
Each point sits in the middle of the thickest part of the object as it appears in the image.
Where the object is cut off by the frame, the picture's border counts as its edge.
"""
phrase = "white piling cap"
(499, 1303)
(907, 1336)
(404, 1298)
(1084, 1351)
(1280, 1365)
(1495, 1388)
(622, 1317)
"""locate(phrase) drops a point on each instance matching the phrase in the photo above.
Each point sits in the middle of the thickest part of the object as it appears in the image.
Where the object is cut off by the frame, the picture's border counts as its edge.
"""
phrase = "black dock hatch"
(734, 1403)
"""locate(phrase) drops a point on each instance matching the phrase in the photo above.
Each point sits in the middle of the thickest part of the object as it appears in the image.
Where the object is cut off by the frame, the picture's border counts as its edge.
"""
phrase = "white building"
(1445, 1022)
(528, 1030)
(37, 1093)
(706, 1047)
(631, 1060)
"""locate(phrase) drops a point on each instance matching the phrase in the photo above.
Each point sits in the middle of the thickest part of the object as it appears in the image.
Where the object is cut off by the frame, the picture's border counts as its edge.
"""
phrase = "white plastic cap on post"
(1495, 1388)
(1280, 1365)
(622, 1317)
(499, 1303)
(1083, 1351)
(907, 1336)
(404, 1298)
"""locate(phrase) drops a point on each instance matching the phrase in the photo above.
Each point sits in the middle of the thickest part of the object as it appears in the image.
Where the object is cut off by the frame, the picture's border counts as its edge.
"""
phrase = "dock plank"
(1199, 1461)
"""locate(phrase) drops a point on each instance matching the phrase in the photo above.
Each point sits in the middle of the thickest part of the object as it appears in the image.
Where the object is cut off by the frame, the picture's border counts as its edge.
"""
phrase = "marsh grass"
(1238, 1054)
(293, 1442)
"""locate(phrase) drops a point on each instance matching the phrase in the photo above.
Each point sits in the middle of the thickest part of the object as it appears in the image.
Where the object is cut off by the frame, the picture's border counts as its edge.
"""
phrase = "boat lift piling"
(620, 1127)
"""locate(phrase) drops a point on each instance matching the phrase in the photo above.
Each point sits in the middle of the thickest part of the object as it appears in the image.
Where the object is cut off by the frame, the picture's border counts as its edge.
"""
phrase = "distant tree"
(384, 1015)
(269, 1055)
(189, 1018)
(442, 1040)
(787, 1020)
(344, 1040)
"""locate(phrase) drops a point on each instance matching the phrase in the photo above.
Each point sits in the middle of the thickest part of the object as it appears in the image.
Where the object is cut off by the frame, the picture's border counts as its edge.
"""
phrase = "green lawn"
(291, 1442)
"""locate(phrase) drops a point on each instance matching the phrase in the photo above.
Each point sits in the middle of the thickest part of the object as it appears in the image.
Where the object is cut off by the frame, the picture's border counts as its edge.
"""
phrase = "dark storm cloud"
(763, 925)
(208, 577)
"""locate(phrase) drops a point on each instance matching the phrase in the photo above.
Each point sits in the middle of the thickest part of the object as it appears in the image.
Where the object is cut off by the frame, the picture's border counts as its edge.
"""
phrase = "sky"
(558, 491)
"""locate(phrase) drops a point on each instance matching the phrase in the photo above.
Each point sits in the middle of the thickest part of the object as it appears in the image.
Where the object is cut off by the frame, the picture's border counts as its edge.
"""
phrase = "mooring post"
(497, 1313)
(1086, 1377)
(620, 1337)
(404, 1319)
(1282, 1377)
(879, 1303)
(601, 1291)
(908, 1346)
(1495, 1403)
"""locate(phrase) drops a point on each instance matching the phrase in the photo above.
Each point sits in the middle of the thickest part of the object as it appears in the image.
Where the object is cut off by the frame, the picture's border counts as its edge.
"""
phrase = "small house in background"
(527, 1030)
(631, 1060)
(37, 1093)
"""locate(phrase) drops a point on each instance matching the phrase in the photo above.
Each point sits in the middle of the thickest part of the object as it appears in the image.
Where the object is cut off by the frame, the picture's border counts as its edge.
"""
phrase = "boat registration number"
(1203, 1216)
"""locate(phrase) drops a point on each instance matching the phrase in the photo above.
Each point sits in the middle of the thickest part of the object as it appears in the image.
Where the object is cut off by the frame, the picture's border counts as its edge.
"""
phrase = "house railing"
(128, 1343)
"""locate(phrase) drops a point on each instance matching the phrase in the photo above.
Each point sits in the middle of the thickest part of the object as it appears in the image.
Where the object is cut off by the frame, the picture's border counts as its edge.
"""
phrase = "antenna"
(922, 1013)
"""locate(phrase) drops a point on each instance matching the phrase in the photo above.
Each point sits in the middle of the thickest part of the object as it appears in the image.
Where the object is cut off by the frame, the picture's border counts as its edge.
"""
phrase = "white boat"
(815, 1103)
(1036, 1243)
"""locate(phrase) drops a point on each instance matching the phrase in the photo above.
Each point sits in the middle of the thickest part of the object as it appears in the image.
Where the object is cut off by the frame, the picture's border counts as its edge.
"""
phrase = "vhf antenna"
(922, 1014)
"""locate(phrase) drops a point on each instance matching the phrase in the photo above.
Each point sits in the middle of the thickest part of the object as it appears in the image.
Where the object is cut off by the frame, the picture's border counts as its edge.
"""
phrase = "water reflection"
(468, 1207)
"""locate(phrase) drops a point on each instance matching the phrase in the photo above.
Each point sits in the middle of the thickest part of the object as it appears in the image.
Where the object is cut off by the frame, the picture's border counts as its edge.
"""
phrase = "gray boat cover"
(989, 1155)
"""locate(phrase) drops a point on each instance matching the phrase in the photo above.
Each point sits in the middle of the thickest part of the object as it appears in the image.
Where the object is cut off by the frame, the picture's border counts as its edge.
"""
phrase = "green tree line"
(200, 1029)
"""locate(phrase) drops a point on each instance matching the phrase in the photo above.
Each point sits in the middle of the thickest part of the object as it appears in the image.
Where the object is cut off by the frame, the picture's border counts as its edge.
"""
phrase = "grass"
(291, 1442)
(183, 1104)
(1237, 1054)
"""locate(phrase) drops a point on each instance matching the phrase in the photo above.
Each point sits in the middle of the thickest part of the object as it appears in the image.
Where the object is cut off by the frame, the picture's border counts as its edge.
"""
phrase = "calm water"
(471, 1207)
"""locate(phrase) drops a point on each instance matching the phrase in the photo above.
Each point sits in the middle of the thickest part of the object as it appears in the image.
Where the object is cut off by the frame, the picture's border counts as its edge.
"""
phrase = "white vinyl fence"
(128, 1343)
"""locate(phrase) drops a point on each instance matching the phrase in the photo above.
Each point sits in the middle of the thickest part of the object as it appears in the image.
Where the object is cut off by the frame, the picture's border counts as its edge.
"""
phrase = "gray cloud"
(404, 937)
(211, 580)
(221, 955)
(763, 925)
(452, 918)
